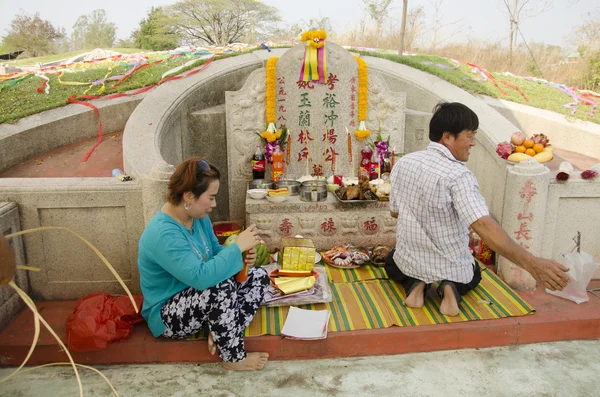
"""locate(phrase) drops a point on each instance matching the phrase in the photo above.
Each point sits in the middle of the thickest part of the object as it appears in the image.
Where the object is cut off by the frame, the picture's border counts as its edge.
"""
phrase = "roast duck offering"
(345, 256)
(362, 191)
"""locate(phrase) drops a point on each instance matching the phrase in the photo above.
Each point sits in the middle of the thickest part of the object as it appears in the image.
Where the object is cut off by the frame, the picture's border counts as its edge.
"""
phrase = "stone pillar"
(524, 217)
(154, 187)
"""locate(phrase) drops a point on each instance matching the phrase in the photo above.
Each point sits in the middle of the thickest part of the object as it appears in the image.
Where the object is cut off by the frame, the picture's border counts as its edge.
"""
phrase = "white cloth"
(436, 198)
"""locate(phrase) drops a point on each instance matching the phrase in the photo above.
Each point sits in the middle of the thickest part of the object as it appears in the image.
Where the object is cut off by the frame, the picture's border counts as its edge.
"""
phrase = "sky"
(479, 19)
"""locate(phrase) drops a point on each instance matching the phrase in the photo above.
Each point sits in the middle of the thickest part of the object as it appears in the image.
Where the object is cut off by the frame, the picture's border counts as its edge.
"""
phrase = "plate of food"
(379, 254)
(355, 193)
(346, 257)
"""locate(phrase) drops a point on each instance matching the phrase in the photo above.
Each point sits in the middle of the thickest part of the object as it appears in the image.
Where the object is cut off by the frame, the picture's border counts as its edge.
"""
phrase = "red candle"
(289, 145)
(393, 159)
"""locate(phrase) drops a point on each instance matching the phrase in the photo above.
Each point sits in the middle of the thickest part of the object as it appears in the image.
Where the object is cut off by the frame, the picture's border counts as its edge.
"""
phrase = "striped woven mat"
(372, 301)
(363, 273)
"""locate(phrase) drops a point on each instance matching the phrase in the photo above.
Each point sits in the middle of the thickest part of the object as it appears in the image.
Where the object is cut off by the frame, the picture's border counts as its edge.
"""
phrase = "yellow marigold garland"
(315, 38)
(363, 99)
(271, 83)
(271, 136)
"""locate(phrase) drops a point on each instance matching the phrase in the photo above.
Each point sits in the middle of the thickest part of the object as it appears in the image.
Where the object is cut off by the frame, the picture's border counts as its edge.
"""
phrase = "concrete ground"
(541, 370)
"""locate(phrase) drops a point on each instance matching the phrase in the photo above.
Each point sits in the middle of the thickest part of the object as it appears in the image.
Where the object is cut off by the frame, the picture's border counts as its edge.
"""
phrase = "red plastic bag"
(99, 319)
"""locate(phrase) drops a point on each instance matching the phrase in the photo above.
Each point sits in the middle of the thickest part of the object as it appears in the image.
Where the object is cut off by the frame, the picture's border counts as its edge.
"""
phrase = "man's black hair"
(451, 117)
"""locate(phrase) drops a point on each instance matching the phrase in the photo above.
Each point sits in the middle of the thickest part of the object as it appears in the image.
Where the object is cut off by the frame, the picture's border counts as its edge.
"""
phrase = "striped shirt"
(436, 198)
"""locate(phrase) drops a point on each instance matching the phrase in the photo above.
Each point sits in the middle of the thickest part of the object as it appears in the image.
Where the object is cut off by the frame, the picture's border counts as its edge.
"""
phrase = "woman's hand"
(248, 238)
(250, 257)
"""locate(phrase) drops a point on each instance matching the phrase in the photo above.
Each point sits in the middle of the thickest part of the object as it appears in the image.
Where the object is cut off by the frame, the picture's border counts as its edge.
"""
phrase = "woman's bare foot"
(449, 305)
(252, 362)
(212, 348)
(416, 298)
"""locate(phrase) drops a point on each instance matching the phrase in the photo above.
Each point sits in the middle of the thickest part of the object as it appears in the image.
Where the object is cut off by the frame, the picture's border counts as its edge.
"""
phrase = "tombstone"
(316, 116)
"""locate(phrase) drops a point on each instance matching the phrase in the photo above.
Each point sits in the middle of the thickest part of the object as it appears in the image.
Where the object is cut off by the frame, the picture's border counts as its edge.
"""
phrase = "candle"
(379, 171)
(323, 151)
(393, 157)
(349, 145)
(289, 145)
(333, 162)
(307, 157)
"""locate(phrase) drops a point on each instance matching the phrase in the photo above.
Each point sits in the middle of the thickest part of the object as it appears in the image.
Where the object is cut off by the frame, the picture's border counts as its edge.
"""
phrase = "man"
(435, 199)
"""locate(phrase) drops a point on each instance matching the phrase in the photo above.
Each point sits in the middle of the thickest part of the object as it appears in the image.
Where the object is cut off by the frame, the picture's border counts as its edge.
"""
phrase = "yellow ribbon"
(307, 64)
(314, 64)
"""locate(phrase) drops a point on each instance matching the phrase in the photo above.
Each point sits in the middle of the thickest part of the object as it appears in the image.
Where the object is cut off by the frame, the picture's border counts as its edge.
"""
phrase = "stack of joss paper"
(296, 261)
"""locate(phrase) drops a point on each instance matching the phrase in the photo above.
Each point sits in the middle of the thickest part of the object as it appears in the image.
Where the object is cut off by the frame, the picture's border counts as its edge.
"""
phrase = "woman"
(188, 279)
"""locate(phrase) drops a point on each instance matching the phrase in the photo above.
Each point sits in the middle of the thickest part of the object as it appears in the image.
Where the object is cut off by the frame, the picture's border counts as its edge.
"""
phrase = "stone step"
(555, 320)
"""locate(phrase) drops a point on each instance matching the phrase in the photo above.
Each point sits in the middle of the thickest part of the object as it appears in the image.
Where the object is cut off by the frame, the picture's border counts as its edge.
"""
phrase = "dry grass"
(493, 56)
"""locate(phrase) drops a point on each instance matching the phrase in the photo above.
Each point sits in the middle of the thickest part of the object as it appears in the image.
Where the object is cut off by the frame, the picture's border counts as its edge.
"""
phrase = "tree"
(415, 22)
(438, 24)
(403, 26)
(293, 32)
(378, 12)
(520, 10)
(93, 31)
(586, 36)
(221, 22)
(156, 32)
(63, 43)
(32, 34)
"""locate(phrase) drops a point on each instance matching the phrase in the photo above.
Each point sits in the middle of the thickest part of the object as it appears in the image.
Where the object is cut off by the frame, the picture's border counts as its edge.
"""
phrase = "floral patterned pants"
(226, 309)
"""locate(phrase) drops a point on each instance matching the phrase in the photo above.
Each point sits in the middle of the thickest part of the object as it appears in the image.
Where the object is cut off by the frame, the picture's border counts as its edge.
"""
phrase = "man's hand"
(551, 274)
(251, 257)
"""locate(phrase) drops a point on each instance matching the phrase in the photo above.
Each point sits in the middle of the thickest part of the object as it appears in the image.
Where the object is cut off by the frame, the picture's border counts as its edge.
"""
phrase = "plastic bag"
(581, 270)
(99, 319)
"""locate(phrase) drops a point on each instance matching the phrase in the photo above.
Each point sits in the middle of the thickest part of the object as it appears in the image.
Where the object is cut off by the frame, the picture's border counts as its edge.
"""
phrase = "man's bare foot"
(416, 298)
(212, 348)
(449, 305)
(252, 362)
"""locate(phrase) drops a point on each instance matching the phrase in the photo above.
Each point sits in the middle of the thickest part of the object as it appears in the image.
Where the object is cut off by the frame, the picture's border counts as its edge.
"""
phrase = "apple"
(518, 138)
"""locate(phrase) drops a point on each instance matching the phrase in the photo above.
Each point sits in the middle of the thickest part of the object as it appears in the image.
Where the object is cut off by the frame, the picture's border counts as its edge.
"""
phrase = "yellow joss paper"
(289, 285)
(298, 254)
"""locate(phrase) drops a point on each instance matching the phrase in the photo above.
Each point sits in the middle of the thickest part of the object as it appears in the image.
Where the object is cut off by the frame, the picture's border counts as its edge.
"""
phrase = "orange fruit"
(528, 143)
(538, 147)
(520, 149)
(530, 152)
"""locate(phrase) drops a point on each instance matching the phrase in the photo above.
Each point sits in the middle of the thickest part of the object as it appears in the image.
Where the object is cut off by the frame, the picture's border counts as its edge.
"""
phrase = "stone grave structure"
(319, 118)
